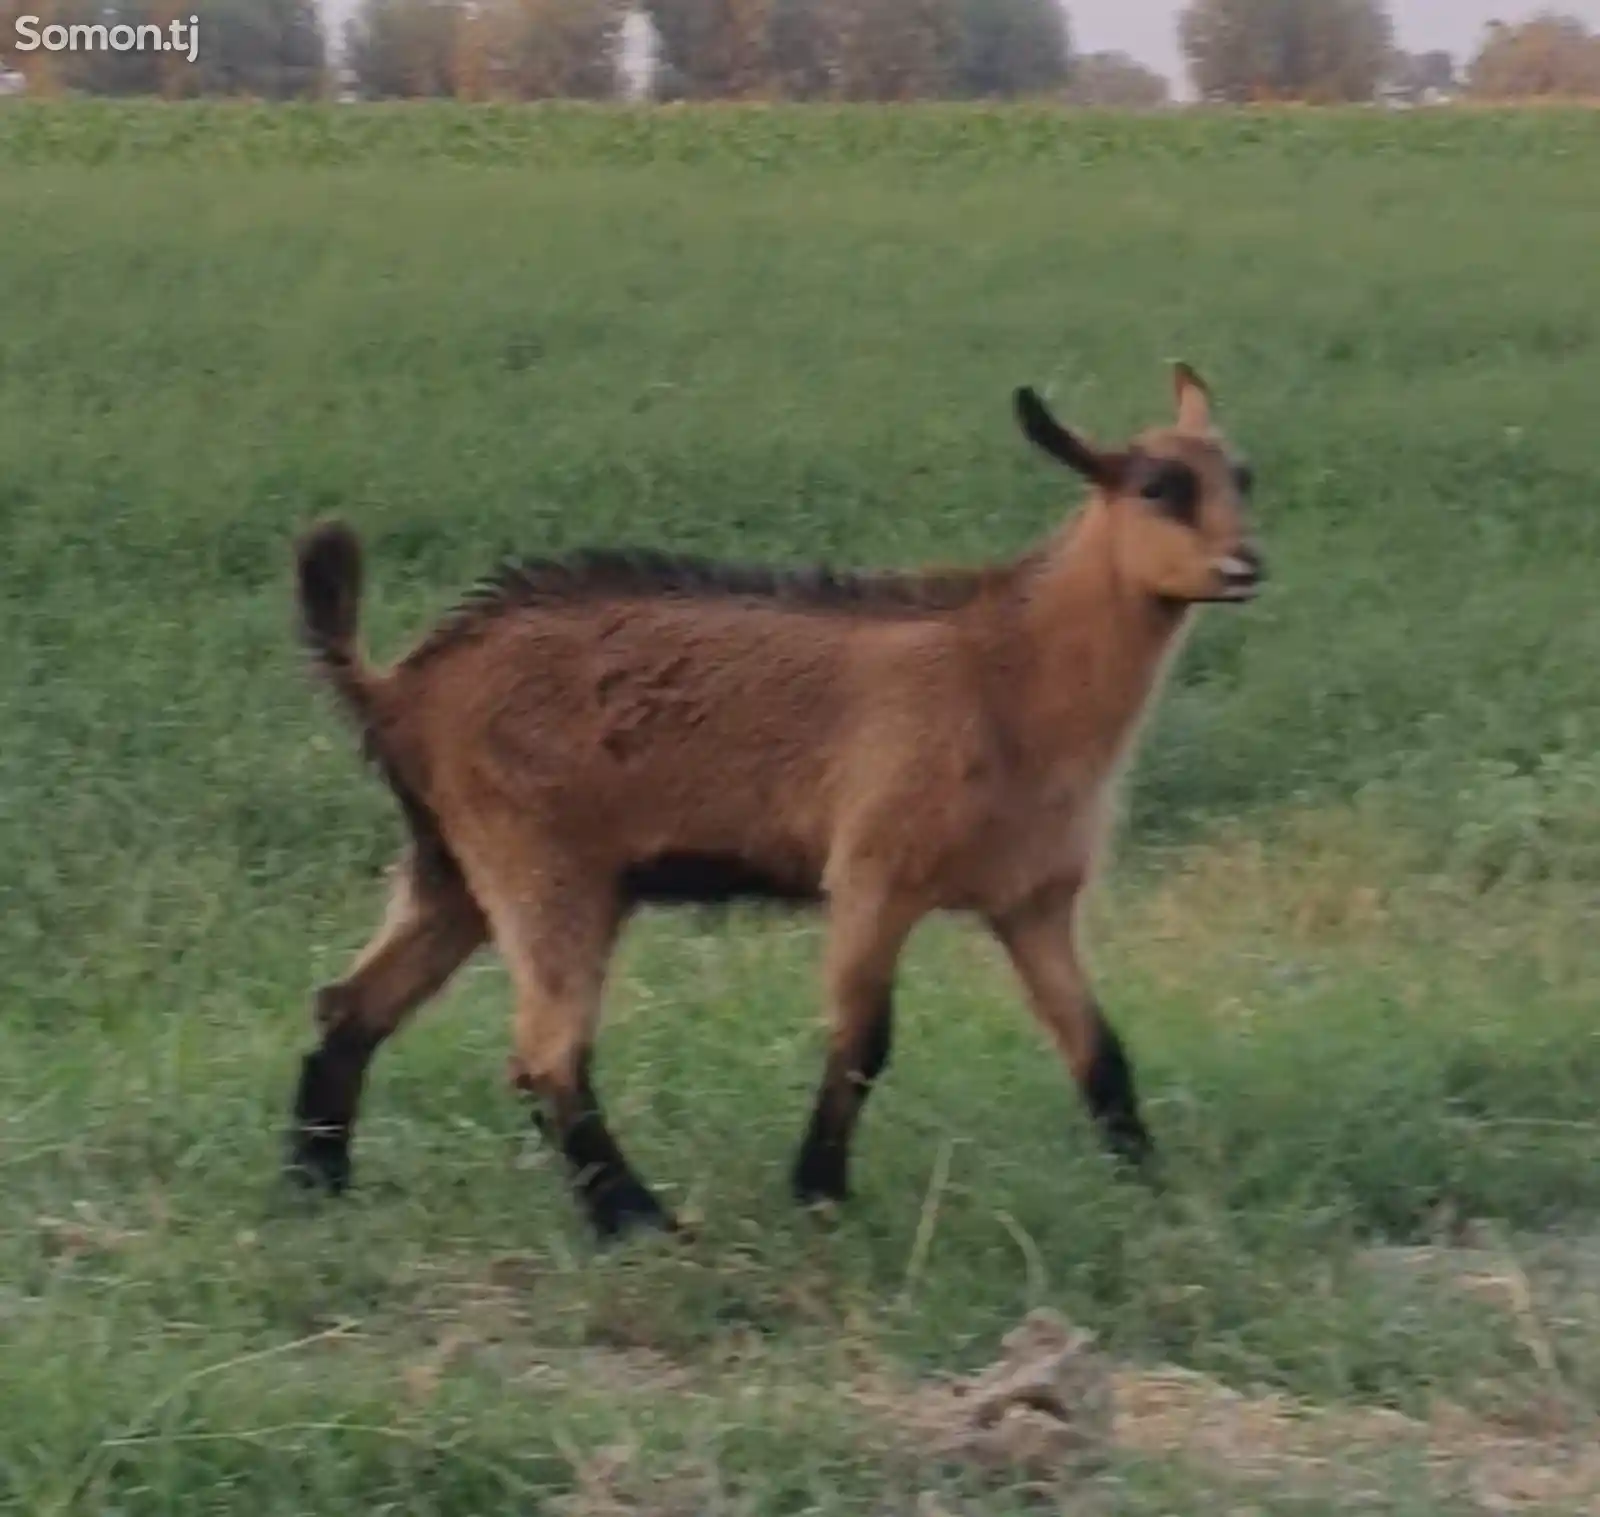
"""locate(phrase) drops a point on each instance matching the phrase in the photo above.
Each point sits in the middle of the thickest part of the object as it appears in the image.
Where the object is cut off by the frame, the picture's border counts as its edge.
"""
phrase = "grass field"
(1350, 937)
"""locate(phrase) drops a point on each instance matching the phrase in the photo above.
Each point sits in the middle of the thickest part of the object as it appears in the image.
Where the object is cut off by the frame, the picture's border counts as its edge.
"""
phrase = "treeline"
(267, 49)
(535, 49)
(1333, 51)
(1237, 51)
(715, 49)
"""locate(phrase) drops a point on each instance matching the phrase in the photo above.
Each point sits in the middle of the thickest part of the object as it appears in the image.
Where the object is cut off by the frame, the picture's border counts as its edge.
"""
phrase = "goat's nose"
(1241, 572)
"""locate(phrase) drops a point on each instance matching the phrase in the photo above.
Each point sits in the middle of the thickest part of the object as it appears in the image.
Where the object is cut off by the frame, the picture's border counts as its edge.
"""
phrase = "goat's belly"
(685, 857)
(705, 877)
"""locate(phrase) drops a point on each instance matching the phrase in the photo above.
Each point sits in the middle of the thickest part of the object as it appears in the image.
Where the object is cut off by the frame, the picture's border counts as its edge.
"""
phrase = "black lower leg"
(331, 1077)
(822, 1168)
(612, 1195)
(1108, 1088)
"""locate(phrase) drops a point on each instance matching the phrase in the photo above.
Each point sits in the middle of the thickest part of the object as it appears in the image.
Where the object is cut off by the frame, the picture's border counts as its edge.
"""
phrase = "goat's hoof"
(1136, 1157)
(1151, 1173)
(824, 1213)
(823, 1203)
(819, 1185)
(629, 1210)
(319, 1161)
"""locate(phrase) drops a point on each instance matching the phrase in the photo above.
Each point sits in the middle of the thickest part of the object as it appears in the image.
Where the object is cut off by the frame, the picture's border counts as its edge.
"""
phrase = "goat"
(582, 737)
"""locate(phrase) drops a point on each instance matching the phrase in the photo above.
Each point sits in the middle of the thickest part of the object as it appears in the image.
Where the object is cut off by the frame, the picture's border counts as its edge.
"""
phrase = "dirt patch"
(1054, 1412)
(1054, 1409)
(1042, 1411)
(1522, 1275)
(83, 1235)
(615, 1482)
(1544, 1287)
(459, 1316)
(1174, 1413)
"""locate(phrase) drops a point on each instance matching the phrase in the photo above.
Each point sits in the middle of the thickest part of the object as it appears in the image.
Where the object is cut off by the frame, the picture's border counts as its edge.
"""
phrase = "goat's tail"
(328, 584)
(328, 587)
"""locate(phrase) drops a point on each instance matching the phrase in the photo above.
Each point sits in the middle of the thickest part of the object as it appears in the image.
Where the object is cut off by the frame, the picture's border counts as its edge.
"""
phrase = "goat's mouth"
(1239, 578)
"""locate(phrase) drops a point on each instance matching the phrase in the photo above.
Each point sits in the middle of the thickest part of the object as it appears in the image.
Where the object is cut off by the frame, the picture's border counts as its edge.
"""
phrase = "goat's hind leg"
(433, 926)
(556, 940)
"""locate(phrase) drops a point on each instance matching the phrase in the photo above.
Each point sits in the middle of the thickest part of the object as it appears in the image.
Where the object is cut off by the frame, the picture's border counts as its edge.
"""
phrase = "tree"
(801, 57)
(1011, 47)
(1415, 76)
(486, 49)
(269, 48)
(542, 49)
(858, 49)
(1314, 50)
(891, 49)
(1551, 55)
(1115, 81)
(101, 72)
(400, 49)
(714, 49)
(273, 49)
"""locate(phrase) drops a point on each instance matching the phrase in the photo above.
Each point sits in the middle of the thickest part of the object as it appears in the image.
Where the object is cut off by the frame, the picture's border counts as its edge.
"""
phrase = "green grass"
(1351, 935)
(940, 138)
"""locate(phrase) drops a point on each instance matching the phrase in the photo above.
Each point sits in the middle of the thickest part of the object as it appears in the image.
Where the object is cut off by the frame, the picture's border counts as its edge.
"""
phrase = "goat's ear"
(1193, 397)
(1047, 434)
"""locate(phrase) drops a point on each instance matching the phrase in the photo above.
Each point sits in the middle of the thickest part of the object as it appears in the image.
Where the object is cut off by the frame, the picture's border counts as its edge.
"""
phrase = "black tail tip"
(1032, 414)
(328, 561)
(332, 543)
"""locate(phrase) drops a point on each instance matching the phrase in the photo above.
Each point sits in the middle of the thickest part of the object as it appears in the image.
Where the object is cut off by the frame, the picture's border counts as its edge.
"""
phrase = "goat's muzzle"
(1240, 574)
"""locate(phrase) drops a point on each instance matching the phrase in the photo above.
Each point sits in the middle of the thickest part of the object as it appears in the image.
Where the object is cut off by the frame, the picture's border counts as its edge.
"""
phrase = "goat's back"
(644, 729)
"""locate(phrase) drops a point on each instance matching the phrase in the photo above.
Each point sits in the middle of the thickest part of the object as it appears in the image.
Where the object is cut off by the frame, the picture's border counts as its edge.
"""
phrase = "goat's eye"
(1244, 479)
(1175, 489)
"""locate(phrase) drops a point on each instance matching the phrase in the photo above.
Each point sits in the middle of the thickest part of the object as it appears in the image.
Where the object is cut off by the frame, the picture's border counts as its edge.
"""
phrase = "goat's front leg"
(866, 933)
(1041, 940)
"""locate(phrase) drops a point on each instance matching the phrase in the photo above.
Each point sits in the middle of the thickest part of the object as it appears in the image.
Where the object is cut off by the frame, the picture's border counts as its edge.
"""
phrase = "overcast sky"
(1148, 28)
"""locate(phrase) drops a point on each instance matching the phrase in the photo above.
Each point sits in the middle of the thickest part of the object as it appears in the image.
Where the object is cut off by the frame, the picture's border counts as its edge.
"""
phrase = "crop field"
(1351, 933)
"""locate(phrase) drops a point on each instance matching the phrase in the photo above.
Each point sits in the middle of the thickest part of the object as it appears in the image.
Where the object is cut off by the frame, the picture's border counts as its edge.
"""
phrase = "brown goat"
(585, 736)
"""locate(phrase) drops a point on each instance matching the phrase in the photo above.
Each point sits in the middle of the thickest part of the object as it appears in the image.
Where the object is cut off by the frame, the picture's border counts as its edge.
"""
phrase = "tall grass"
(1350, 939)
(941, 138)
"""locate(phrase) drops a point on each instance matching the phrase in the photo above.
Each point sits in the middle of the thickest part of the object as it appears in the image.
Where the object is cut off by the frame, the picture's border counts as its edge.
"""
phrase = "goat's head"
(1177, 498)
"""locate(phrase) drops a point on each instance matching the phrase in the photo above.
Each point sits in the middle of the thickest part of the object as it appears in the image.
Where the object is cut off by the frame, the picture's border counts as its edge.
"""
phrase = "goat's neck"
(1099, 649)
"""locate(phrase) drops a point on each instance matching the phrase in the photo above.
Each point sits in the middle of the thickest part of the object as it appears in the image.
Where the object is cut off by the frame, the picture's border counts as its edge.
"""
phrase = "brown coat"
(586, 736)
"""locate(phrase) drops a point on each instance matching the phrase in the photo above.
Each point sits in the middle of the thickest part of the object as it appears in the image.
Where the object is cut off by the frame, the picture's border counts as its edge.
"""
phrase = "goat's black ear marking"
(1048, 435)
